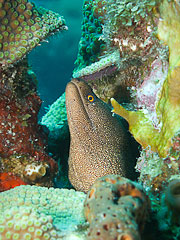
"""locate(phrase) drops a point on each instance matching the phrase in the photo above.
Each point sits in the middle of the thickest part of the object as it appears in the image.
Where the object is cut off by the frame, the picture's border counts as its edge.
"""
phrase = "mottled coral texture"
(158, 133)
(56, 119)
(29, 212)
(116, 208)
(23, 26)
(91, 47)
(23, 141)
(130, 48)
(155, 122)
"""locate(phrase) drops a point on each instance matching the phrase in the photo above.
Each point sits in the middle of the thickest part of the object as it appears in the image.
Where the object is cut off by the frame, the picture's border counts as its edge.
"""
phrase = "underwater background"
(53, 62)
(77, 170)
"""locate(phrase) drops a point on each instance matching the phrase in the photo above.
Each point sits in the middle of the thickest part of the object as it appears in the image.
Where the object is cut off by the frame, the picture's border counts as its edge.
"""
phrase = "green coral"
(59, 209)
(24, 223)
(56, 118)
(105, 61)
(24, 26)
(127, 12)
(124, 26)
(90, 45)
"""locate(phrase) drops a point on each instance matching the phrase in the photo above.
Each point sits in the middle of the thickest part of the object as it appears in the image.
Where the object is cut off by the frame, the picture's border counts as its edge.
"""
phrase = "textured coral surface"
(56, 118)
(91, 46)
(160, 138)
(18, 115)
(22, 139)
(23, 26)
(116, 208)
(29, 212)
(131, 47)
(155, 122)
(167, 108)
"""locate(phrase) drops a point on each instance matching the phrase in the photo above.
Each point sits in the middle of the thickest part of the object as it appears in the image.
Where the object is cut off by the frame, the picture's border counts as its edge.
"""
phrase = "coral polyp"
(29, 213)
(91, 46)
(24, 26)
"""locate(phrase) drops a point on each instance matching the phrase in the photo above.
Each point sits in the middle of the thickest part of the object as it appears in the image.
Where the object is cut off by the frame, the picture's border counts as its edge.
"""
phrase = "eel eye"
(90, 98)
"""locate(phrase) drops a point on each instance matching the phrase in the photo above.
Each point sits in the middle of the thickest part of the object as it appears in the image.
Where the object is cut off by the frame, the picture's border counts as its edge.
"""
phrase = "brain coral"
(23, 26)
(29, 212)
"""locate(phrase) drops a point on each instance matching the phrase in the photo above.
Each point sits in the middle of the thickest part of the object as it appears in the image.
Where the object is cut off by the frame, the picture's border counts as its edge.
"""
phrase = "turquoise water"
(53, 62)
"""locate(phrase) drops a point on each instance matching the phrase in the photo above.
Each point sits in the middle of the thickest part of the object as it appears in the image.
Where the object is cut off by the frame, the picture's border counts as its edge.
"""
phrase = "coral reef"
(161, 133)
(131, 49)
(155, 122)
(116, 208)
(24, 223)
(24, 26)
(100, 142)
(23, 141)
(140, 68)
(29, 212)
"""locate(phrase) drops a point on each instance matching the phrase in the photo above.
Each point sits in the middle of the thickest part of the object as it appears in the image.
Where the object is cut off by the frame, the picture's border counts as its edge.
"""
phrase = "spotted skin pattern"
(100, 144)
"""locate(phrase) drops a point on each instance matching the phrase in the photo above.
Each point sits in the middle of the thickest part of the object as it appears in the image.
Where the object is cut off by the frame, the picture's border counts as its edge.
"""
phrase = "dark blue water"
(53, 62)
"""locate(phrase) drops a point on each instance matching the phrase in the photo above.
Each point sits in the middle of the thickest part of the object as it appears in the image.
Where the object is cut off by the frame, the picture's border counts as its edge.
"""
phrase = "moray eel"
(100, 144)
